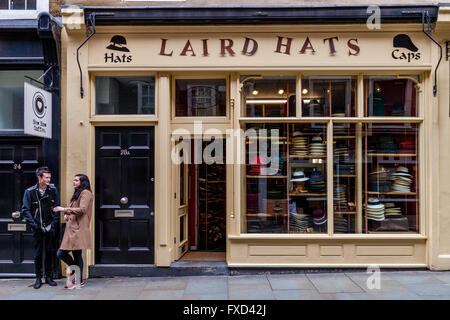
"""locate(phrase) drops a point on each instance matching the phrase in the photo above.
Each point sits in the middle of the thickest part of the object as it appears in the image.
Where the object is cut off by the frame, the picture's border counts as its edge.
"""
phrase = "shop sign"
(406, 49)
(37, 111)
(263, 49)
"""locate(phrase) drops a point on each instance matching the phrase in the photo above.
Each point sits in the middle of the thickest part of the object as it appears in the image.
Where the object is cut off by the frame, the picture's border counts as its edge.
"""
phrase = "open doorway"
(206, 209)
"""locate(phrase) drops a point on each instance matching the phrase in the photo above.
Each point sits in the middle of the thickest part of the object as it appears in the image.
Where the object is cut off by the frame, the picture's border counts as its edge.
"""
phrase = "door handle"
(124, 200)
(16, 214)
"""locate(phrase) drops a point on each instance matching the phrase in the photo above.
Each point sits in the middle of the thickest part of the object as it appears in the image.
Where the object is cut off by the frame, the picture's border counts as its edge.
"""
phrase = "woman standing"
(77, 233)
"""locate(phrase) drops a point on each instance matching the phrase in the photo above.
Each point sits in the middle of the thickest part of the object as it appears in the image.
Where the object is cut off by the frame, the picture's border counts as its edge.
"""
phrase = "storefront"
(28, 50)
(197, 141)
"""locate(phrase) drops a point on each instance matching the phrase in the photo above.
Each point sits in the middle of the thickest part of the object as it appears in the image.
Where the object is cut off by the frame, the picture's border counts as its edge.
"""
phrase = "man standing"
(37, 209)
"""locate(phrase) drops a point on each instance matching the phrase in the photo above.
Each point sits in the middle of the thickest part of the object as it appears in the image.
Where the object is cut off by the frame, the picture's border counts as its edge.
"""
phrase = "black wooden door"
(18, 162)
(124, 189)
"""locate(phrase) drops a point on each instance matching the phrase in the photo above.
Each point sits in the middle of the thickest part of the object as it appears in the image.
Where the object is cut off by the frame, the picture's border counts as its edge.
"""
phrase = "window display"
(390, 96)
(287, 192)
(391, 177)
(344, 177)
(324, 96)
(269, 96)
(375, 165)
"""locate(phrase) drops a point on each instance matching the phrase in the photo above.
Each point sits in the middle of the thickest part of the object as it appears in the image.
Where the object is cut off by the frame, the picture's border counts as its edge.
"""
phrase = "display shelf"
(391, 154)
(307, 157)
(393, 193)
(307, 194)
(309, 232)
(344, 176)
(265, 215)
(344, 137)
(265, 138)
(345, 212)
(266, 177)
(393, 232)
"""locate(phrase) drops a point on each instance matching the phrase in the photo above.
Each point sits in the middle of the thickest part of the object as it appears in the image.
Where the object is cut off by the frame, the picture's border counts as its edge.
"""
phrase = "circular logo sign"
(39, 105)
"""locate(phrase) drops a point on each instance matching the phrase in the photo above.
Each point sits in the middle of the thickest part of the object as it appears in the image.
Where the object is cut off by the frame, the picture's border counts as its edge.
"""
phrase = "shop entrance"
(18, 162)
(124, 205)
(202, 208)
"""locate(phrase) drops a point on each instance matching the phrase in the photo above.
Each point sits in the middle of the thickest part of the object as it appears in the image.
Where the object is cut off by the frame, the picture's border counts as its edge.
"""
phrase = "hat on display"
(375, 209)
(299, 175)
(319, 216)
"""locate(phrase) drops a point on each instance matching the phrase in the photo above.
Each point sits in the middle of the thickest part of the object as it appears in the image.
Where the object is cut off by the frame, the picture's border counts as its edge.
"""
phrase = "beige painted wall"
(432, 248)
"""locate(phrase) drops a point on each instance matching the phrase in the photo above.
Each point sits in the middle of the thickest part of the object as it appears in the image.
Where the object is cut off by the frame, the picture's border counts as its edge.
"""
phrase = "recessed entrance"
(203, 199)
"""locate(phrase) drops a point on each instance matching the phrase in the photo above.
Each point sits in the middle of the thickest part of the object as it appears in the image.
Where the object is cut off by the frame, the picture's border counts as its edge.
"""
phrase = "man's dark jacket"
(38, 210)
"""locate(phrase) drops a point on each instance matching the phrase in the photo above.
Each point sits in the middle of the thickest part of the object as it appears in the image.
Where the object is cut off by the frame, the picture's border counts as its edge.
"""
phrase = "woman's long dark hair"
(84, 185)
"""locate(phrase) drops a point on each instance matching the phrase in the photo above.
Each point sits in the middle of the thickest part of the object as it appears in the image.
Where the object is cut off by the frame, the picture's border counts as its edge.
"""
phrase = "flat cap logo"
(404, 41)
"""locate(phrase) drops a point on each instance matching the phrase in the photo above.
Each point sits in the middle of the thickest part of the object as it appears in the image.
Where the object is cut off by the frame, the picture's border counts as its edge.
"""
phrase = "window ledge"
(118, 118)
(389, 236)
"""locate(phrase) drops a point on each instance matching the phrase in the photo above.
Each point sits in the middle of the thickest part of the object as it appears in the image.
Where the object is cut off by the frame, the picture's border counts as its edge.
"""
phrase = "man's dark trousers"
(43, 243)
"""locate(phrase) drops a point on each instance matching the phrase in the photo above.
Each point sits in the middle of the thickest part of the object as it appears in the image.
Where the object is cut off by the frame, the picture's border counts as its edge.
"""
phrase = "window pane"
(17, 4)
(328, 96)
(345, 178)
(285, 179)
(390, 182)
(4, 4)
(269, 97)
(182, 183)
(200, 98)
(11, 97)
(31, 4)
(389, 96)
(125, 95)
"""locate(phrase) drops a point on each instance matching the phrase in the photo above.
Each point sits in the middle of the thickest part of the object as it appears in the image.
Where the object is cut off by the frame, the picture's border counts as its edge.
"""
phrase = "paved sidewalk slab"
(161, 295)
(290, 282)
(205, 285)
(334, 283)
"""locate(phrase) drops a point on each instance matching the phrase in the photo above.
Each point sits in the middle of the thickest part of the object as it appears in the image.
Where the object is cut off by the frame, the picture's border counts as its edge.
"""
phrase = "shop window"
(285, 178)
(345, 180)
(18, 5)
(328, 96)
(390, 96)
(391, 177)
(200, 97)
(11, 97)
(269, 96)
(124, 95)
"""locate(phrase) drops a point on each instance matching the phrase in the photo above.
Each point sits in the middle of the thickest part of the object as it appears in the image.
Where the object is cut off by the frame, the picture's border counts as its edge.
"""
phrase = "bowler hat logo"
(403, 41)
(118, 43)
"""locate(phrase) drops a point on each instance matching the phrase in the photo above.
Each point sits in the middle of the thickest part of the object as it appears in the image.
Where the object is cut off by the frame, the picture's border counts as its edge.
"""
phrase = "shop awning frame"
(259, 15)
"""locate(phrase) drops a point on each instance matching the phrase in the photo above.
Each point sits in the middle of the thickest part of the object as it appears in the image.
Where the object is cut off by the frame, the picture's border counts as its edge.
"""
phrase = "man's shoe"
(50, 281)
(38, 283)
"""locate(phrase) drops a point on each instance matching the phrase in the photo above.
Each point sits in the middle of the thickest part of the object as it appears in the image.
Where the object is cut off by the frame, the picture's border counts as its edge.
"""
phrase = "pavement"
(346, 285)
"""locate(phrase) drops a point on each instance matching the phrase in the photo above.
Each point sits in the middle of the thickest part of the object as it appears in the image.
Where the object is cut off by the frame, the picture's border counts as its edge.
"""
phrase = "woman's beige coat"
(77, 235)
